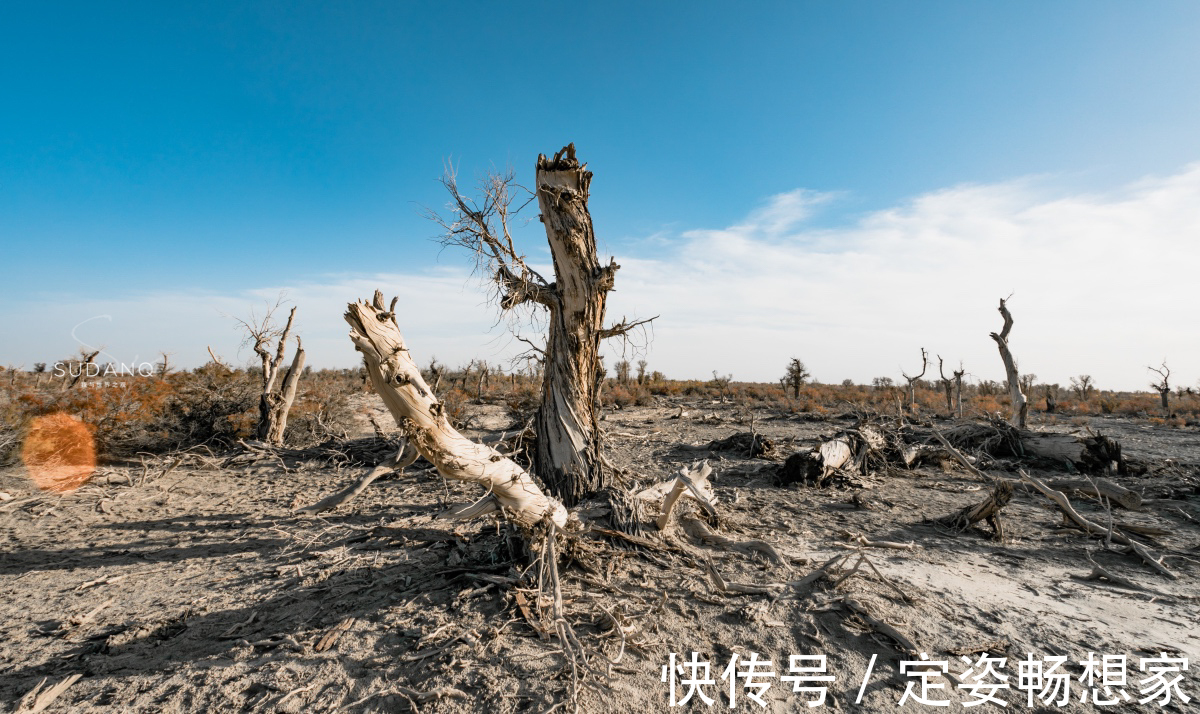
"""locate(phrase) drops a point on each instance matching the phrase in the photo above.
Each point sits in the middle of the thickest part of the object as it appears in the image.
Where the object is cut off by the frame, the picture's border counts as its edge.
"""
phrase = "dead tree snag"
(1019, 406)
(912, 381)
(1051, 392)
(567, 458)
(276, 399)
(797, 375)
(948, 386)
(1162, 386)
(958, 377)
(422, 419)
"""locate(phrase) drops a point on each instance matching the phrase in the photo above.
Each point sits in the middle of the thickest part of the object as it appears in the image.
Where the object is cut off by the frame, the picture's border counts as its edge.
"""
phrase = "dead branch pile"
(744, 442)
(995, 438)
(366, 451)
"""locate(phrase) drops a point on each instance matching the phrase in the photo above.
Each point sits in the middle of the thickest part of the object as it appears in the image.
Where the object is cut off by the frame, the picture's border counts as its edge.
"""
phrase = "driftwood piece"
(906, 643)
(822, 572)
(986, 510)
(422, 419)
(1101, 574)
(861, 540)
(37, 699)
(691, 482)
(724, 586)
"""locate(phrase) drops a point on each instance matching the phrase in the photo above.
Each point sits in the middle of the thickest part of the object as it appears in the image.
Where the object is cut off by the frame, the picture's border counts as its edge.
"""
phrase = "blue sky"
(218, 152)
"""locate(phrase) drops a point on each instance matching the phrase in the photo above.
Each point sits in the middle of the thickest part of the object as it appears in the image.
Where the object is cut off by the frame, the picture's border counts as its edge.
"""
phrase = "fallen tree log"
(422, 419)
(1094, 453)
(751, 444)
(1100, 487)
(1090, 454)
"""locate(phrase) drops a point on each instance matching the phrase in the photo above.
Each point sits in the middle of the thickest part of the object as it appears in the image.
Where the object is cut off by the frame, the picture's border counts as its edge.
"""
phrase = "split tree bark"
(422, 420)
(275, 401)
(568, 444)
(1020, 407)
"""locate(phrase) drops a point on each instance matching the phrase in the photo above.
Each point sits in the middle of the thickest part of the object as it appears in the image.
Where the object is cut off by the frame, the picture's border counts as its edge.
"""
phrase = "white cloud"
(1102, 283)
(444, 316)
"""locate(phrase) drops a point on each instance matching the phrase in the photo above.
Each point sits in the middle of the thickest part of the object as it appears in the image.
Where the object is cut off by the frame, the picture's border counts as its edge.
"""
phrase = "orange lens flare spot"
(59, 453)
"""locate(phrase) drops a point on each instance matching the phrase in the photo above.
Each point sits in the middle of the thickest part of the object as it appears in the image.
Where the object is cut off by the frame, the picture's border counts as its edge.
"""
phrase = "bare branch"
(1008, 322)
(217, 359)
(624, 327)
(482, 227)
(924, 366)
(532, 348)
(1165, 374)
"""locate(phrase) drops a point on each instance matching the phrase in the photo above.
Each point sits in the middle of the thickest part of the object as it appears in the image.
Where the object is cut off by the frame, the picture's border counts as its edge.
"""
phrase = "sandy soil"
(195, 588)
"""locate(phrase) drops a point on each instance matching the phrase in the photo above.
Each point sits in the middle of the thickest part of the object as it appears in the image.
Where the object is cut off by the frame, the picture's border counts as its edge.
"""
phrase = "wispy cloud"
(1102, 283)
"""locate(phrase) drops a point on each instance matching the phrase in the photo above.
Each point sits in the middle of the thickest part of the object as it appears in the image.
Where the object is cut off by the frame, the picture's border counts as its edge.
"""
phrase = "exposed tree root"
(906, 643)
(699, 530)
(1102, 574)
(402, 459)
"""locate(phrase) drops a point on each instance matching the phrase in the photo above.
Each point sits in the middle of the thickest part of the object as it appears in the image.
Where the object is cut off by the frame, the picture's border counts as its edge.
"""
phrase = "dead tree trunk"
(568, 445)
(958, 376)
(435, 373)
(1051, 398)
(947, 387)
(422, 419)
(276, 399)
(987, 510)
(567, 457)
(912, 381)
(1019, 406)
(481, 381)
